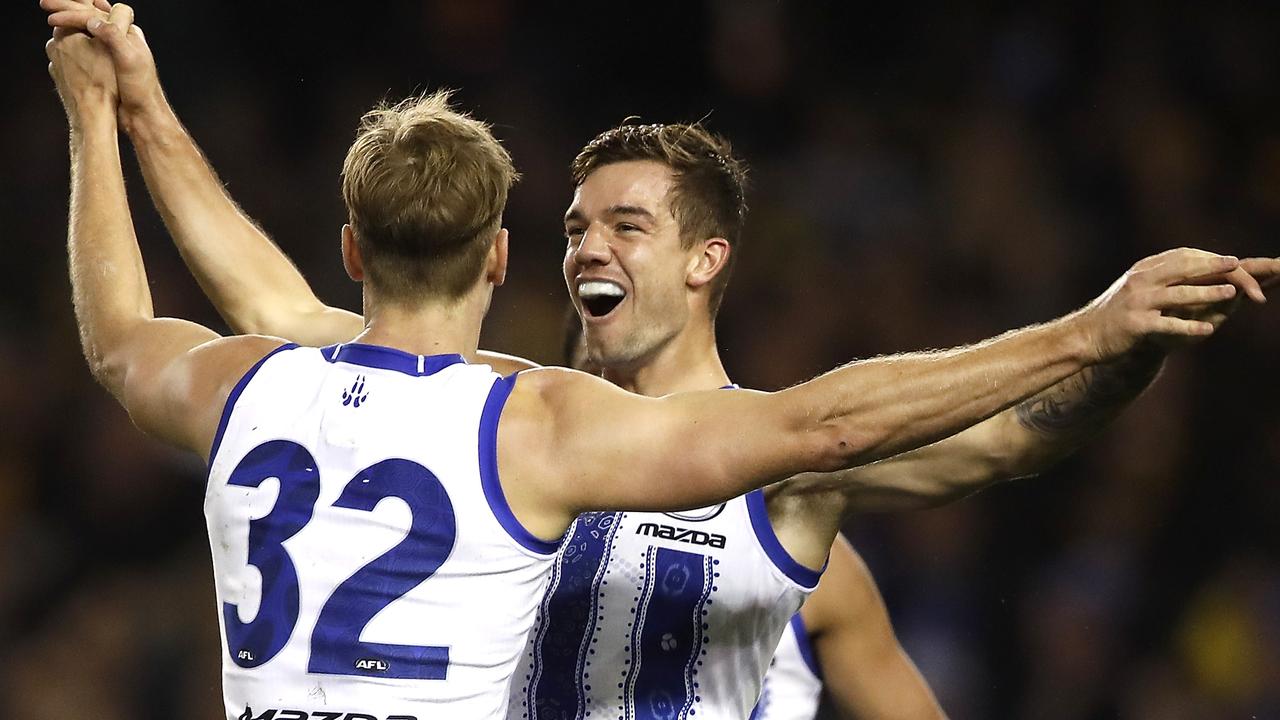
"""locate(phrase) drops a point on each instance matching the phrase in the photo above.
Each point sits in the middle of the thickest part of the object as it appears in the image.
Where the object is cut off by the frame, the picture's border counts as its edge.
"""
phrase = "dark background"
(922, 178)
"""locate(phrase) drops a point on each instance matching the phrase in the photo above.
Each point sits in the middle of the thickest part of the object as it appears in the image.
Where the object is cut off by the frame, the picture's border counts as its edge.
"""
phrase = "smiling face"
(624, 263)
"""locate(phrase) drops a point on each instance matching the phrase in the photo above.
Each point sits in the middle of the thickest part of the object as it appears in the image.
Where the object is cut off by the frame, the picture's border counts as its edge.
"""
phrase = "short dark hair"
(425, 187)
(708, 197)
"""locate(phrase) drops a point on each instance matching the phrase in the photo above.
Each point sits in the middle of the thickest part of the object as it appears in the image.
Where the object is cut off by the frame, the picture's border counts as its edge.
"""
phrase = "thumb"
(113, 29)
(108, 32)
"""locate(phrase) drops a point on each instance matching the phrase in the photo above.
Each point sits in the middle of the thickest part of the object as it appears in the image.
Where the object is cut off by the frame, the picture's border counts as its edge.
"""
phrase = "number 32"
(336, 648)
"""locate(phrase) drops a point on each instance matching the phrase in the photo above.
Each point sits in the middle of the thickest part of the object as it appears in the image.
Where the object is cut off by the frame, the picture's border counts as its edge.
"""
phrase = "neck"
(433, 328)
(689, 361)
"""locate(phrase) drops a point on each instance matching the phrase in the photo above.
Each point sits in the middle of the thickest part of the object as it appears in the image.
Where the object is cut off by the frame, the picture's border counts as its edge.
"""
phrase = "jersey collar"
(378, 356)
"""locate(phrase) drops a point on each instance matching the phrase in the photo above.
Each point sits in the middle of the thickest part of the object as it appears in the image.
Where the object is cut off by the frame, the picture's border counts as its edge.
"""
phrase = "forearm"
(108, 282)
(1057, 420)
(876, 408)
(1021, 441)
(252, 283)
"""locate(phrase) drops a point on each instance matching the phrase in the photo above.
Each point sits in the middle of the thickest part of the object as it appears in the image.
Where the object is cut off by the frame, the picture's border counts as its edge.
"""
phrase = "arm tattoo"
(1091, 397)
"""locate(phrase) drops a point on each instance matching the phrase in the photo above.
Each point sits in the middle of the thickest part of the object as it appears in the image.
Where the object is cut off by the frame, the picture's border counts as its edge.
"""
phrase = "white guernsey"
(793, 685)
(660, 615)
(365, 558)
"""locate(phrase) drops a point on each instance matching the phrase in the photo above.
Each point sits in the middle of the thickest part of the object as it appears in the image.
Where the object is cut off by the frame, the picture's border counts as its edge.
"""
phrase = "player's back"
(365, 559)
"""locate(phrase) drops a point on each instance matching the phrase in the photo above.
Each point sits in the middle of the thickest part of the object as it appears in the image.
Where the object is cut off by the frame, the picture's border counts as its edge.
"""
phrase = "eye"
(573, 234)
(627, 227)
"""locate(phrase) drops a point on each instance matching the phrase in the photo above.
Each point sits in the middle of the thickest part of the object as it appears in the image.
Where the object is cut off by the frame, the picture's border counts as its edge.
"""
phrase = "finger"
(102, 5)
(1184, 295)
(1265, 270)
(1178, 327)
(1216, 319)
(56, 5)
(61, 32)
(75, 19)
(48, 48)
(121, 16)
(1246, 282)
(1215, 315)
(1191, 264)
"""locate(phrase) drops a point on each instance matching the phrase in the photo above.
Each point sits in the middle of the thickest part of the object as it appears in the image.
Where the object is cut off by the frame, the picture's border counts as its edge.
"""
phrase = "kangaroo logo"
(356, 394)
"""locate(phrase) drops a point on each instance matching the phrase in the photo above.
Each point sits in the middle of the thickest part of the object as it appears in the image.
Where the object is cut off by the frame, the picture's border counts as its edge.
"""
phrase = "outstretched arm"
(864, 668)
(583, 444)
(252, 283)
(1018, 442)
(169, 374)
(1029, 437)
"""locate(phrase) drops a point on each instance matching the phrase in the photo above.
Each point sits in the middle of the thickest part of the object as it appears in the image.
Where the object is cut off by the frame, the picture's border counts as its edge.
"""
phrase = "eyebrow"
(632, 210)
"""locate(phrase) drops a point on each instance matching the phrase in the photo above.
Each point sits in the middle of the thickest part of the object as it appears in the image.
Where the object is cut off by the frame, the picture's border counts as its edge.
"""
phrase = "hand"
(1250, 278)
(112, 25)
(1143, 303)
(83, 73)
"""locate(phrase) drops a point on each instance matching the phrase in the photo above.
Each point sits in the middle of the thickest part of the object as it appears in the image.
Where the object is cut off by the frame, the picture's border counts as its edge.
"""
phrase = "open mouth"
(600, 297)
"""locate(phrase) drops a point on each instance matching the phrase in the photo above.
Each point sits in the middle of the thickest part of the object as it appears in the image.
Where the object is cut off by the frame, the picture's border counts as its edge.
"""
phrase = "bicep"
(603, 448)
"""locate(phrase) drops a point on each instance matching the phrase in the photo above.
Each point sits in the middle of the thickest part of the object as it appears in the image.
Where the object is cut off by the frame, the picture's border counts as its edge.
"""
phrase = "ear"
(351, 259)
(708, 259)
(495, 267)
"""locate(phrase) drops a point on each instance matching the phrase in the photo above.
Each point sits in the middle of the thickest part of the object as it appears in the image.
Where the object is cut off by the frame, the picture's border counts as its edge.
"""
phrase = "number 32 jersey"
(660, 616)
(365, 559)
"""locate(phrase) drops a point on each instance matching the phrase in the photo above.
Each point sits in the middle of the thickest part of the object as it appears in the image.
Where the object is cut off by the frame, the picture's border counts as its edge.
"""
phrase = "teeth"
(600, 288)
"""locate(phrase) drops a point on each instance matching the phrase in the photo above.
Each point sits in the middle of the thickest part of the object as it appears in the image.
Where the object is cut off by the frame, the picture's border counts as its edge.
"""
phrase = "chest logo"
(684, 535)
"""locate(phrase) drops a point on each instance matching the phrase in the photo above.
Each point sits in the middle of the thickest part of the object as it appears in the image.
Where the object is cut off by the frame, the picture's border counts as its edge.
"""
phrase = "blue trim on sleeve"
(489, 482)
(378, 356)
(235, 396)
(801, 575)
(806, 647)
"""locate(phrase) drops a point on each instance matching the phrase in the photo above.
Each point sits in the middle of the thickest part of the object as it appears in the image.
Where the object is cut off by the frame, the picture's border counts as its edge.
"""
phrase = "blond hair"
(425, 187)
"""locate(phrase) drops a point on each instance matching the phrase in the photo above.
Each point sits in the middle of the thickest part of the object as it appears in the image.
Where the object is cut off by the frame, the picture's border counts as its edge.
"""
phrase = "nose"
(594, 248)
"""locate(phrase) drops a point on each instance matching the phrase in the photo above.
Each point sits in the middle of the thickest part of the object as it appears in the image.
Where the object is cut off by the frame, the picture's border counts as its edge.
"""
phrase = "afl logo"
(698, 515)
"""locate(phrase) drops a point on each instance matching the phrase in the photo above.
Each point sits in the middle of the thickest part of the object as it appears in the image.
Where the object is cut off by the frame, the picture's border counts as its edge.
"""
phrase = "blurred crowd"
(922, 177)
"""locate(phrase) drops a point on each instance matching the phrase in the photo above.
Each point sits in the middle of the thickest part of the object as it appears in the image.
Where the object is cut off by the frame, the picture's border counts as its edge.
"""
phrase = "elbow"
(107, 368)
(108, 363)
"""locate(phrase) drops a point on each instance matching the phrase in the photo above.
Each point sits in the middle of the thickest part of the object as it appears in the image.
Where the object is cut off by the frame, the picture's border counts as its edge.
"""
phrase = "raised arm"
(252, 283)
(172, 376)
(864, 668)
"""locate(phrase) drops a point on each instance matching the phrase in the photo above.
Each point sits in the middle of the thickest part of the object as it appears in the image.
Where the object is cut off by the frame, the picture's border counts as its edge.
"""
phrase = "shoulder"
(504, 364)
(228, 359)
(183, 400)
(555, 386)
